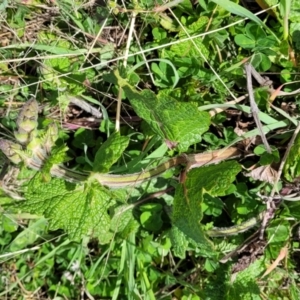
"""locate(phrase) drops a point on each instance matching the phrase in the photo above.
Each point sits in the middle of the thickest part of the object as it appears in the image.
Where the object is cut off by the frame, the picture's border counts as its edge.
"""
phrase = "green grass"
(122, 89)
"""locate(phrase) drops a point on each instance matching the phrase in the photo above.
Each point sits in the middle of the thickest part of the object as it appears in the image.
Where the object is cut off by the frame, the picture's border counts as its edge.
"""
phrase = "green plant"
(134, 199)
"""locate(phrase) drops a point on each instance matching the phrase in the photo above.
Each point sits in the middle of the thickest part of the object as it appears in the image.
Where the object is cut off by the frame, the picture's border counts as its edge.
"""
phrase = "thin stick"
(288, 149)
(270, 209)
(261, 80)
(254, 107)
(126, 54)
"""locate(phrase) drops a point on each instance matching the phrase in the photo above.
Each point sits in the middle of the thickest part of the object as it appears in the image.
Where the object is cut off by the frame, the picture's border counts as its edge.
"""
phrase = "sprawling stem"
(119, 181)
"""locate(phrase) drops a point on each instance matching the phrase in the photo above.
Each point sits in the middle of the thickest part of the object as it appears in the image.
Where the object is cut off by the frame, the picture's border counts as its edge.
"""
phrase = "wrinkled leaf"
(80, 210)
(180, 124)
(263, 173)
(187, 211)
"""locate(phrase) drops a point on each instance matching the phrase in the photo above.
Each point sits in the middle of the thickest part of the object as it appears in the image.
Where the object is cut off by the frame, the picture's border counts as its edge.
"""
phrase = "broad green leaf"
(29, 235)
(151, 216)
(259, 150)
(261, 62)
(187, 212)
(278, 232)
(110, 151)
(215, 179)
(266, 159)
(292, 165)
(212, 205)
(80, 210)
(254, 31)
(216, 286)
(180, 124)
(186, 217)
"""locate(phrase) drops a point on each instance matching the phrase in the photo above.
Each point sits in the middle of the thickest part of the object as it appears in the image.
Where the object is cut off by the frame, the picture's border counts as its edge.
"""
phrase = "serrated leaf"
(215, 179)
(180, 124)
(79, 210)
(110, 151)
(58, 156)
(187, 215)
(216, 286)
(187, 212)
(180, 242)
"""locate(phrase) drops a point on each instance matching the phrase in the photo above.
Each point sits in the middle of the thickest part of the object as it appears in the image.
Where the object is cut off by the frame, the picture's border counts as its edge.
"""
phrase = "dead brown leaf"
(263, 173)
(282, 254)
